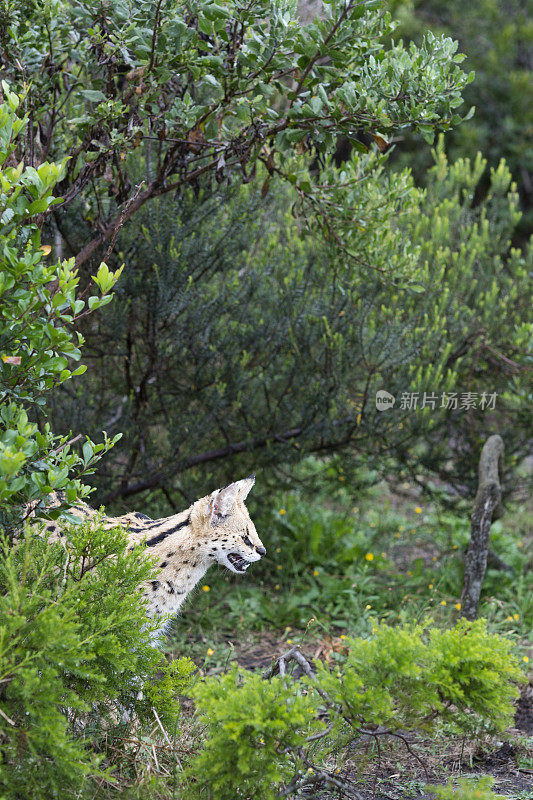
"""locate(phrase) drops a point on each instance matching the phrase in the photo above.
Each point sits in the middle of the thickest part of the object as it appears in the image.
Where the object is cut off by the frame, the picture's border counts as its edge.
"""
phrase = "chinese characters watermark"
(451, 401)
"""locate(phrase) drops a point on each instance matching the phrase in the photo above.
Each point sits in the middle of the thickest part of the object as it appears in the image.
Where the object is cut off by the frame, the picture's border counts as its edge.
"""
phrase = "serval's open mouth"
(239, 563)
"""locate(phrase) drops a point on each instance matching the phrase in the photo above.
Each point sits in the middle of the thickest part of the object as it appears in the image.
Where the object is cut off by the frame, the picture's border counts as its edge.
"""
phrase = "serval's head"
(228, 534)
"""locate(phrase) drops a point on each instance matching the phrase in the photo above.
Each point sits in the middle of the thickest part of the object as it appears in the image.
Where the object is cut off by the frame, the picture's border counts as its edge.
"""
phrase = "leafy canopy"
(203, 91)
(39, 306)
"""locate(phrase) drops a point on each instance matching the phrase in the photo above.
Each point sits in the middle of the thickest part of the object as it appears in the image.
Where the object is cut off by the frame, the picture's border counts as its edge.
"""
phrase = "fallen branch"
(280, 664)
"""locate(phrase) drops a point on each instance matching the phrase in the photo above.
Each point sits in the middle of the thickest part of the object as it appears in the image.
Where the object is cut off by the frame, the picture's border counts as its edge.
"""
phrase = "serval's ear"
(222, 501)
(245, 486)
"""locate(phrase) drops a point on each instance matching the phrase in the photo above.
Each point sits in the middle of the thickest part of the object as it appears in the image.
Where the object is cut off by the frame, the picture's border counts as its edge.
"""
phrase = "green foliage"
(74, 639)
(410, 677)
(254, 730)
(177, 99)
(319, 335)
(272, 739)
(473, 673)
(74, 654)
(468, 789)
(39, 306)
(486, 349)
(192, 92)
(497, 40)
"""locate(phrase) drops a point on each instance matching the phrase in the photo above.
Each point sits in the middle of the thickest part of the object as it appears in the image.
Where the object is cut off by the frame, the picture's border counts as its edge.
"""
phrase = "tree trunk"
(487, 504)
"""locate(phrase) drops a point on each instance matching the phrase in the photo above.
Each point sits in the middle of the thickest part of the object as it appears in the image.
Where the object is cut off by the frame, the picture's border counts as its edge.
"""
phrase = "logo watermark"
(384, 400)
(451, 401)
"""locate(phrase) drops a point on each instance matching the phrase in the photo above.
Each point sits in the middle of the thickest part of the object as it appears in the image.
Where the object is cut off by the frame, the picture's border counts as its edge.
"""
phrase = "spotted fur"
(215, 529)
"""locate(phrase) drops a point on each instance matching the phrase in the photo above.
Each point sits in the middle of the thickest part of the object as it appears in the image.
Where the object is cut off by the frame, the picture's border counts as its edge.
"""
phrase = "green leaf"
(94, 95)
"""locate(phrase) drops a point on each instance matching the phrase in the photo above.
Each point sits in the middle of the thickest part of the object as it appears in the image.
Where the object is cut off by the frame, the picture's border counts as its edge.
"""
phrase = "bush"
(262, 738)
(411, 677)
(74, 654)
(255, 729)
(318, 336)
(478, 789)
(40, 306)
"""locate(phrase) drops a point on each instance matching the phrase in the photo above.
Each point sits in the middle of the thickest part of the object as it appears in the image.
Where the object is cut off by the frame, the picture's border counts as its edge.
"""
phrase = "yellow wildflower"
(206, 588)
(368, 606)
(526, 659)
(458, 606)
(282, 511)
(430, 586)
(369, 556)
(315, 572)
(443, 602)
(210, 652)
(418, 510)
(516, 617)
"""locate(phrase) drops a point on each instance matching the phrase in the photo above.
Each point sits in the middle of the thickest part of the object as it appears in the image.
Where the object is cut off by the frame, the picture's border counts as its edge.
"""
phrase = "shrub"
(271, 739)
(254, 731)
(39, 307)
(479, 789)
(318, 336)
(74, 654)
(411, 676)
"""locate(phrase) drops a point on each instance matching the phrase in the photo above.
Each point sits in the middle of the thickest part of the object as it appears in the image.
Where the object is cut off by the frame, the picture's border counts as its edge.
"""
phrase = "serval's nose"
(261, 551)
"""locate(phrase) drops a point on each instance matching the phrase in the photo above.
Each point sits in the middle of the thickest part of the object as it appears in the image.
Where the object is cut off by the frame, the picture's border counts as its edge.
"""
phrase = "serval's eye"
(247, 541)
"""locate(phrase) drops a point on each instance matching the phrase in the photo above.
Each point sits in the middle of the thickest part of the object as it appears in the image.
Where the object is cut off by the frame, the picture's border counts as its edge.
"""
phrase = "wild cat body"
(215, 529)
